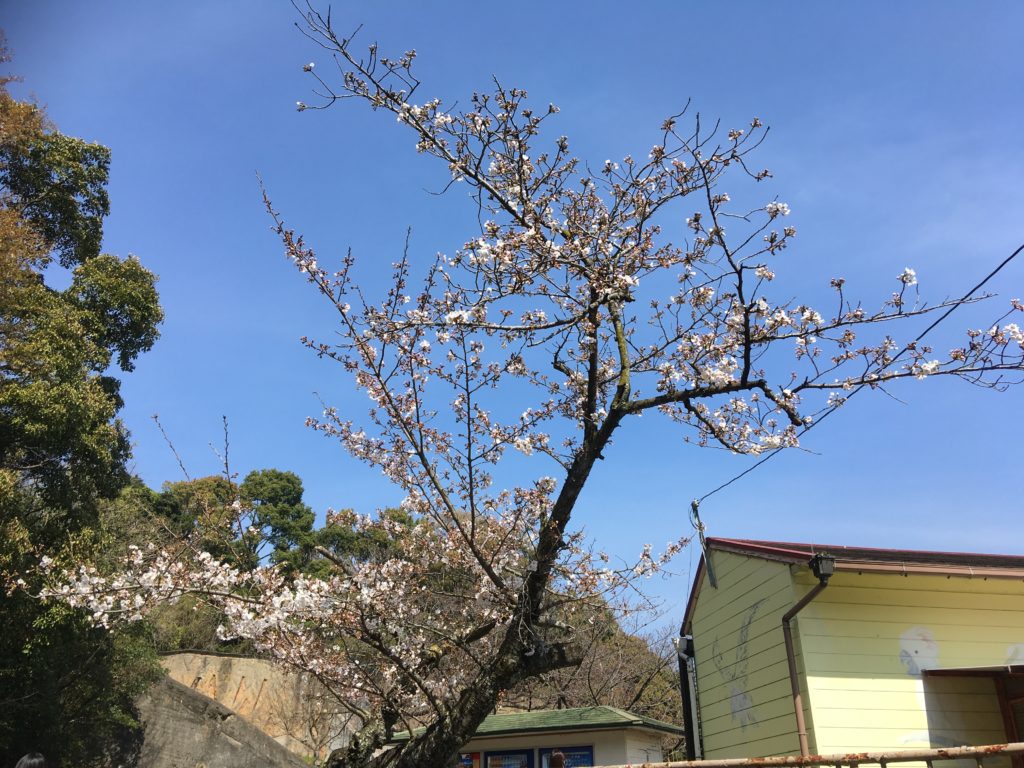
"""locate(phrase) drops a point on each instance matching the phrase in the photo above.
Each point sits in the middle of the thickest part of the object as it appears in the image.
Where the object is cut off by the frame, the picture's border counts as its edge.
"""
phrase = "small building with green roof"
(587, 736)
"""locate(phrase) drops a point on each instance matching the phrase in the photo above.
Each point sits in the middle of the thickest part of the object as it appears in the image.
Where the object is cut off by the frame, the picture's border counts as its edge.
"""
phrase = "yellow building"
(890, 649)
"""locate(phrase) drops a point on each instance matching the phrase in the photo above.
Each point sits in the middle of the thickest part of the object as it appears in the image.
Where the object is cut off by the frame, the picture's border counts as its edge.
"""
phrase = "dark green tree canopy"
(119, 305)
(63, 683)
(59, 183)
(59, 434)
(276, 500)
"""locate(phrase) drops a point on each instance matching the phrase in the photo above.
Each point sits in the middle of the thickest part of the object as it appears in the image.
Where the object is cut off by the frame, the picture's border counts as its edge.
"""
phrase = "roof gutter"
(823, 566)
(861, 560)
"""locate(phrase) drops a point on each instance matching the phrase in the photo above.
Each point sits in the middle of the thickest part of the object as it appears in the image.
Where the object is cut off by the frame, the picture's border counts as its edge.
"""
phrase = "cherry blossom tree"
(582, 302)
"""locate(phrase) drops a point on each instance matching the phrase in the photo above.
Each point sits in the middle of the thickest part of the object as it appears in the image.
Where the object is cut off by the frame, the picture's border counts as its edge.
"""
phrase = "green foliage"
(189, 505)
(233, 523)
(265, 517)
(58, 433)
(60, 185)
(136, 518)
(276, 500)
(346, 543)
(130, 519)
(65, 686)
(189, 625)
(119, 306)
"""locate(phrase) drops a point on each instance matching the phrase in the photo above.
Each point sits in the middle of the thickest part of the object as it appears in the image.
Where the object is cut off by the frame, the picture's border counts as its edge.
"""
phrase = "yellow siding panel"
(781, 743)
(763, 677)
(716, 718)
(732, 607)
(967, 685)
(910, 701)
(743, 684)
(936, 583)
(956, 647)
(903, 594)
(882, 716)
(845, 627)
(888, 739)
(908, 616)
(754, 622)
(868, 637)
(846, 665)
(727, 564)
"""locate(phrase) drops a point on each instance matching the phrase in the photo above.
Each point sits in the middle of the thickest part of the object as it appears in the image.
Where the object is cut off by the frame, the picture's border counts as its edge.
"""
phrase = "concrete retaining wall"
(184, 729)
(290, 708)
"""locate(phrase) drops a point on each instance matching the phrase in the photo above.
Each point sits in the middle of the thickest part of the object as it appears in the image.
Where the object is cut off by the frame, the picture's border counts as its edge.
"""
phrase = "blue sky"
(895, 138)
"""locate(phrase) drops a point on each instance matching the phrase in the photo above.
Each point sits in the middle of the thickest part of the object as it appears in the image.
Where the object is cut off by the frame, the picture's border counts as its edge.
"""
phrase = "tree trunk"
(522, 654)
(439, 745)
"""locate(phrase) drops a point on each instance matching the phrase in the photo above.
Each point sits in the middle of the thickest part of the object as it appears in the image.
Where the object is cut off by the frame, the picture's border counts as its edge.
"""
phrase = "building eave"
(872, 560)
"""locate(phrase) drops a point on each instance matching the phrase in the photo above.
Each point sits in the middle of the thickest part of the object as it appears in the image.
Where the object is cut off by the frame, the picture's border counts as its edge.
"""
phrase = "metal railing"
(853, 759)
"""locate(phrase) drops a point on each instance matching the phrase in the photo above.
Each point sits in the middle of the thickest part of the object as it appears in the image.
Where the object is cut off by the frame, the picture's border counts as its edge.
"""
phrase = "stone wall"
(184, 729)
(290, 708)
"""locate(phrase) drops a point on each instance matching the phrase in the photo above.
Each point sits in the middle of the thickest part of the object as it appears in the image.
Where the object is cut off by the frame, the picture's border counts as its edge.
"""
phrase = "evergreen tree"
(65, 686)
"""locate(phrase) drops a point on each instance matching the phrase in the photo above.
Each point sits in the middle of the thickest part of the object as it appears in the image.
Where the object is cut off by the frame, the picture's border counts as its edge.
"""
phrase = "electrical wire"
(698, 524)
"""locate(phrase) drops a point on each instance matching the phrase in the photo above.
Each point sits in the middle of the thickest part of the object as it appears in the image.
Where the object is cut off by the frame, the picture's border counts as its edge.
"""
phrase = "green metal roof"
(578, 719)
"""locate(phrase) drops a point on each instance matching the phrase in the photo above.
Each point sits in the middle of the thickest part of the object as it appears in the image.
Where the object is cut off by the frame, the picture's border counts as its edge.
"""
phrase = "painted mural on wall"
(734, 671)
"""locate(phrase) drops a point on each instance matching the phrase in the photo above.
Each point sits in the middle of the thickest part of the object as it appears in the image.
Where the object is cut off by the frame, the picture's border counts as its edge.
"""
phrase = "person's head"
(557, 759)
(32, 760)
